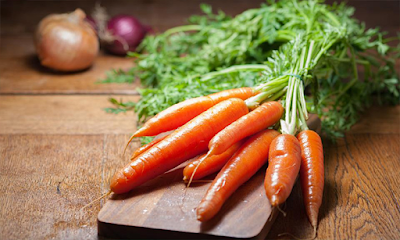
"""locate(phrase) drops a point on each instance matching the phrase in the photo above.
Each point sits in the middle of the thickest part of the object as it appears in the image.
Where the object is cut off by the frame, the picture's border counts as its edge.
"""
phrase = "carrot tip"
(313, 217)
(194, 171)
(315, 232)
(274, 201)
(297, 238)
(97, 199)
(280, 210)
(201, 218)
(129, 141)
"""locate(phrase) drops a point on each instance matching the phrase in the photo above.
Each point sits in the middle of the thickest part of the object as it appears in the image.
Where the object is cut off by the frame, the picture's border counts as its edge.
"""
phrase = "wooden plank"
(45, 180)
(361, 196)
(379, 120)
(63, 115)
(166, 204)
(21, 72)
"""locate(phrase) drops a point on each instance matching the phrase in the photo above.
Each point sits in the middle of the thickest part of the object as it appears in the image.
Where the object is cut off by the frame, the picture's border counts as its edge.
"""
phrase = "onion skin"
(127, 34)
(66, 42)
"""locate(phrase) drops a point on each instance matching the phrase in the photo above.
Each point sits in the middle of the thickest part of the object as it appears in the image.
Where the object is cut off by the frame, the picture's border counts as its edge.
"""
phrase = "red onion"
(127, 33)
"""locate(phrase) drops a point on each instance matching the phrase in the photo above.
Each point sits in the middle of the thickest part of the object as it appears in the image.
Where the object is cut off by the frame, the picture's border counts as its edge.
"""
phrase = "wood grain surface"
(71, 114)
(375, 120)
(58, 148)
(46, 180)
(21, 72)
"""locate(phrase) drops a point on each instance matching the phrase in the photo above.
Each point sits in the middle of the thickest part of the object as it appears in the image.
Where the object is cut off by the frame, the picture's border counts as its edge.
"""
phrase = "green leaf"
(197, 59)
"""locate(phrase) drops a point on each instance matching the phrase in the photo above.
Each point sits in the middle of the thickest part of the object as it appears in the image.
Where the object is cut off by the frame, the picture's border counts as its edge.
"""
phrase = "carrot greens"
(314, 57)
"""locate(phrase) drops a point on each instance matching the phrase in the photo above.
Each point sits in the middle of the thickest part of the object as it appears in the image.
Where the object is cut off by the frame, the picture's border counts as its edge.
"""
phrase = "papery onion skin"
(124, 28)
(66, 42)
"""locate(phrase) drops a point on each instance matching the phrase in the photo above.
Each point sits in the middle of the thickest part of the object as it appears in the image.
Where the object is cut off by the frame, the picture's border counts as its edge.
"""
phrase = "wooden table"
(58, 148)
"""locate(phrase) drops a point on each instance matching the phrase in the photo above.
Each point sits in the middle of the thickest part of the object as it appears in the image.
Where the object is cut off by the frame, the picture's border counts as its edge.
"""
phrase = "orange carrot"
(262, 117)
(241, 167)
(180, 113)
(145, 147)
(311, 173)
(242, 93)
(203, 165)
(183, 144)
(283, 167)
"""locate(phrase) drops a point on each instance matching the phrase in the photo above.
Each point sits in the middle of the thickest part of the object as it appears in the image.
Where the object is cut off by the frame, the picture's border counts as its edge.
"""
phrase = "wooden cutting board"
(165, 208)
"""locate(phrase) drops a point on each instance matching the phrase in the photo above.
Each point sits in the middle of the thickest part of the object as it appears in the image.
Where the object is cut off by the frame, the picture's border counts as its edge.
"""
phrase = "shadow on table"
(32, 62)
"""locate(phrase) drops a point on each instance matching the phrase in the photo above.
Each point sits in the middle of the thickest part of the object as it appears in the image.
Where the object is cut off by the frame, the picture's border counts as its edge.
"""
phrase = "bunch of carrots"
(235, 132)
(226, 135)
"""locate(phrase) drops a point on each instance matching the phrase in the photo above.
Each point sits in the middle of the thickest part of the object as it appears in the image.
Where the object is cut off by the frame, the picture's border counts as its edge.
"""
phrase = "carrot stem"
(182, 29)
(233, 69)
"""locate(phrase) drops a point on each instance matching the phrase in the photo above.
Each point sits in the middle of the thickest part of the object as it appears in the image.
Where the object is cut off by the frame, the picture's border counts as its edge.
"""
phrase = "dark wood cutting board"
(165, 208)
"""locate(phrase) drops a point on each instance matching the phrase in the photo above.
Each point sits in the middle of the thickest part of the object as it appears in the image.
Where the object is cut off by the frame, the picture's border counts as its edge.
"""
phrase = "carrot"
(311, 173)
(183, 144)
(180, 113)
(283, 167)
(262, 117)
(203, 165)
(240, 168)
(145, 147)
(242, 93)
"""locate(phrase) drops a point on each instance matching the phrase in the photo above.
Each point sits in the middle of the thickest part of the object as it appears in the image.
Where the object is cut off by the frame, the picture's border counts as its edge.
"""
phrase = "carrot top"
(321, 45)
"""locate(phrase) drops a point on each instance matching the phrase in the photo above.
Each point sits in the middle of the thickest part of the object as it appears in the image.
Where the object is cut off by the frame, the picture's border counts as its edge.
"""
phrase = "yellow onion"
(66, 42)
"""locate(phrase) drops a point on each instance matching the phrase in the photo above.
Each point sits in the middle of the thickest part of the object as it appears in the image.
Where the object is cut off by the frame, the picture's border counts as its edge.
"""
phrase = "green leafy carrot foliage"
(314, 57)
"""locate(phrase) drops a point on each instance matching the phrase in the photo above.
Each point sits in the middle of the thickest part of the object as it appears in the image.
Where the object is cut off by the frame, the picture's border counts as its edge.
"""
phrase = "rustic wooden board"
(166, 204)
(379, 120)
(69, 114)
(45, 180)
(21, 72)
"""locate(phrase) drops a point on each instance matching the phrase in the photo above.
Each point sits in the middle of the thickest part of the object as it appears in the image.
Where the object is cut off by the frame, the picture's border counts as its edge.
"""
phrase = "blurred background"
(21, 17)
